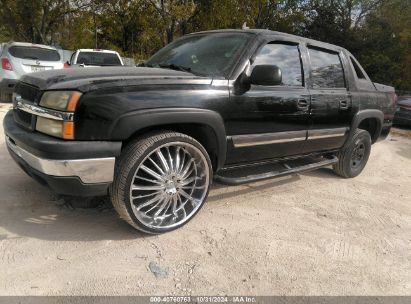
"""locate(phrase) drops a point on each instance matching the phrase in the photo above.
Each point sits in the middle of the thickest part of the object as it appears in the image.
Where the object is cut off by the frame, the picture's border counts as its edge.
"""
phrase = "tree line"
(377, 32)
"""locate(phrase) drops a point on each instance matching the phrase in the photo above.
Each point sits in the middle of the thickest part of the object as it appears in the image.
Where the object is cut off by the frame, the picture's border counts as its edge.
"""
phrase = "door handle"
(343, 104)
(302, 104)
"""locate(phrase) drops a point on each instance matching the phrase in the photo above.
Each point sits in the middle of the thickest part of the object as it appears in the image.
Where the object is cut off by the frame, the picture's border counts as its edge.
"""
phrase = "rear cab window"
(97, 58)
(326, 69)
(363, 82)
(357, 69)
(34, 53)
(287, 57)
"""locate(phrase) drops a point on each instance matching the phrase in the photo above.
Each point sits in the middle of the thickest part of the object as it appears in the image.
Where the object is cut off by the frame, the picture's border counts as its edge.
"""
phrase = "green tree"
(4, 34)
(37, 20)
(173, 16)
(337, 21)
(385, 50)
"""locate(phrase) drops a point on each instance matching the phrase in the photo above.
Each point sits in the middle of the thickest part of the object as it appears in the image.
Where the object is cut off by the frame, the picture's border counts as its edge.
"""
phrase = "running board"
(237, 180)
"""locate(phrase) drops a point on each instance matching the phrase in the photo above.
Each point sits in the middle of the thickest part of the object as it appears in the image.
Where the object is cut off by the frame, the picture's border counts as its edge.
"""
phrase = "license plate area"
(37, 68)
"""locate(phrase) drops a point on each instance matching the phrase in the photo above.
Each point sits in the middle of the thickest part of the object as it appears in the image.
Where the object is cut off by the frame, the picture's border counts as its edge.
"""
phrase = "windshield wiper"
(173, 66)
(176, 67)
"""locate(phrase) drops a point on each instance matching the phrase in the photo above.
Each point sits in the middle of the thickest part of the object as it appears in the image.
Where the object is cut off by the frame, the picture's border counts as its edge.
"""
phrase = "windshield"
(96, 58)
(34, 53)
(209, 54)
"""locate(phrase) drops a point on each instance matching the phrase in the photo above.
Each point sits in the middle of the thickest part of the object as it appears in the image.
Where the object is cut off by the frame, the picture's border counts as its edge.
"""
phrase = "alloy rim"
(169, 185)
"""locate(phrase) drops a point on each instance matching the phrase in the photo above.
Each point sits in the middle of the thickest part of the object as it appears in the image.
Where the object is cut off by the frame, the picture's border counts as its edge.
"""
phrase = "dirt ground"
(306, 234)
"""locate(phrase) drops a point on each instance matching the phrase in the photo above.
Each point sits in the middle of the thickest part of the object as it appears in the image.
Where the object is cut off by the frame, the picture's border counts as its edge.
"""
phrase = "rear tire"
(353, 158)
(161, 181)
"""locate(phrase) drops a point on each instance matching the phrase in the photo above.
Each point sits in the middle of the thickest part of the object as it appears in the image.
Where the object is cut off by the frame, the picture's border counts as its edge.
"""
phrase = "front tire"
(161, 181)
(353, 158)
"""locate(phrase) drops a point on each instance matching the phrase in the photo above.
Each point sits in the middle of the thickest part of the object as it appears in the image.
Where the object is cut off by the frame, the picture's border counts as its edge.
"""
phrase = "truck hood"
(104, 77)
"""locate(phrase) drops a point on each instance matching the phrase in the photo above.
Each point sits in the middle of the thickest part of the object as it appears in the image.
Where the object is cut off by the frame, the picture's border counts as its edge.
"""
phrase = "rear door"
(331, 105)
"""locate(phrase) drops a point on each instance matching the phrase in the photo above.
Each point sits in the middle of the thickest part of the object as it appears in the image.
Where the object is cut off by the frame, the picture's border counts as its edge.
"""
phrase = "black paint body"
(121, 103)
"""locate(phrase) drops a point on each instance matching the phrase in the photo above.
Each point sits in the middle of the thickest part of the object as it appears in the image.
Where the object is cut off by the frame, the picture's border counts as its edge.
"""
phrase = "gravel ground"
(311, 233)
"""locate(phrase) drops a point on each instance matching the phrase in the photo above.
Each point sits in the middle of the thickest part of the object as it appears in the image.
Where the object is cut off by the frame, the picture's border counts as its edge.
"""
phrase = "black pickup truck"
(233, 105)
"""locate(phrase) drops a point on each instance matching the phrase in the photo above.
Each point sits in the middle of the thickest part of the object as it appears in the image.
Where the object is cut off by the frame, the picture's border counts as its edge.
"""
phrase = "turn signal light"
(72, 103)
(68, 130)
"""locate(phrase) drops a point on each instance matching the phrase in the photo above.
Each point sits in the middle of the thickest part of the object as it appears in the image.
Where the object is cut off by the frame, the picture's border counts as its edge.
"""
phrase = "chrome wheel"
(169, 185)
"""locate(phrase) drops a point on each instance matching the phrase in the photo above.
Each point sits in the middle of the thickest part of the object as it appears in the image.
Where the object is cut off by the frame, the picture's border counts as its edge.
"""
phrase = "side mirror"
(268, 75)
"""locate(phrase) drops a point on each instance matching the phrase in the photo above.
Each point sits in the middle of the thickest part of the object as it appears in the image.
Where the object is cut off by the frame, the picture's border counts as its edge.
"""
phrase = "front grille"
(24, 119)
(29, 94)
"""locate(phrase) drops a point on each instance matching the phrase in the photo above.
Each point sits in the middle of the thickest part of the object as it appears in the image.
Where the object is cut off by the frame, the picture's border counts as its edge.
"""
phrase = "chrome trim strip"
(249, 140)
(90, 171)
(326, 133)
(43, 112)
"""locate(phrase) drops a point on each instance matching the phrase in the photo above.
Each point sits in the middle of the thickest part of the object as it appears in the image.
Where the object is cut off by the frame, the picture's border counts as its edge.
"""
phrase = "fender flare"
(364, 114)
(128, 124)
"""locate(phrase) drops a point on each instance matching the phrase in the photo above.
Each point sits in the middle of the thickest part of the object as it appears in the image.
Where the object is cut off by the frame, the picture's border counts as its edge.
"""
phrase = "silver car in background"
(19, 58)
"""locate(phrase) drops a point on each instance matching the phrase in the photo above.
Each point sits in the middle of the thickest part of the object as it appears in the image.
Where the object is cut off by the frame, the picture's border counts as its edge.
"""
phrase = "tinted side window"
(286, 57)
(357, 69)
(327, 71)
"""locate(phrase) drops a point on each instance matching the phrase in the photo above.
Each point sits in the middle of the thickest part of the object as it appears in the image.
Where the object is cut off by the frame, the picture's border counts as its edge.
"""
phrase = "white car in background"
(19, 58)
(95, 58)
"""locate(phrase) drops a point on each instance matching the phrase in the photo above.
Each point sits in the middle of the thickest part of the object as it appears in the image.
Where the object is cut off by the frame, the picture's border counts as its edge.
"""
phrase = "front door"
(270, 121)
(331, 104)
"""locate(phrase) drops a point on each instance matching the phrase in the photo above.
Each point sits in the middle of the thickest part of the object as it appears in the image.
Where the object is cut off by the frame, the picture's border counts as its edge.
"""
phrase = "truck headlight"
(60, 100)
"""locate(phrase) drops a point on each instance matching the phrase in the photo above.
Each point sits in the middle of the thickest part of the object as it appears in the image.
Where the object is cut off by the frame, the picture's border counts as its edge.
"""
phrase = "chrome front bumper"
(89, 171)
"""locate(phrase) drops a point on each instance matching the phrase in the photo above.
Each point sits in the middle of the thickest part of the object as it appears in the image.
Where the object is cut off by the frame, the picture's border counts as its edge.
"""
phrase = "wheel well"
(371, 125)
(204, 134)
